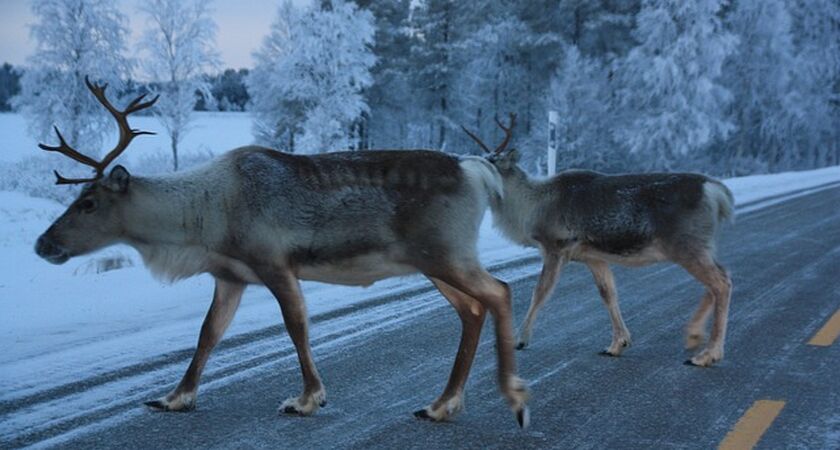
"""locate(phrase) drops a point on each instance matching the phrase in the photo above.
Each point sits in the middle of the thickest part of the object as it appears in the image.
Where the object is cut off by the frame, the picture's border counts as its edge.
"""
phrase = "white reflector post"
(553, 140)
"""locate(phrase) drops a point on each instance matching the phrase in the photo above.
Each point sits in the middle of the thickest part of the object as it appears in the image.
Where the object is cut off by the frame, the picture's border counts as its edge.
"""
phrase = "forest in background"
(723, 87)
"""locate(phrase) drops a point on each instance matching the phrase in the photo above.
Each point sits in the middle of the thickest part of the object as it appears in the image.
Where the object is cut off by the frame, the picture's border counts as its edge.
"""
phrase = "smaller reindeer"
(633, 220)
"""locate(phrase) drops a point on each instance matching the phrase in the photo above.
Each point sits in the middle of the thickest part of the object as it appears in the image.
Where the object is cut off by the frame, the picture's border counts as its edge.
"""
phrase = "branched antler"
(126, 135)
(501, 147)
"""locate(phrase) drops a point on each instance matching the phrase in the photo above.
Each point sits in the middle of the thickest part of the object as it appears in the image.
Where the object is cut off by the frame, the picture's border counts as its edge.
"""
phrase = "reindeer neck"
(172, 210)
(515, 212)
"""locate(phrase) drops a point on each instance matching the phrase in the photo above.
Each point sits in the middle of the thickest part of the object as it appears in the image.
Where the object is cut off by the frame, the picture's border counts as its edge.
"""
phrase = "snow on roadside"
(756, 187)
(83, 324)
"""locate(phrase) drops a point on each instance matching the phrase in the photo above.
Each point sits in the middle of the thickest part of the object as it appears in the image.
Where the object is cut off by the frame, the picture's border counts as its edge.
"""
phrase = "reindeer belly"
(361, 270)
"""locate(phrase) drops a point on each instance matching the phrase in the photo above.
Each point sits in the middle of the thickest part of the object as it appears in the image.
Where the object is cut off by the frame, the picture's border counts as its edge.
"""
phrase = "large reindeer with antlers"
(258, 216)
(632, 220)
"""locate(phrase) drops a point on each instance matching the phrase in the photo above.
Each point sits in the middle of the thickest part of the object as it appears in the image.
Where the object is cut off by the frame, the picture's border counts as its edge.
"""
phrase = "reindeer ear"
(509, 159)
(117, 180)
(513, 155)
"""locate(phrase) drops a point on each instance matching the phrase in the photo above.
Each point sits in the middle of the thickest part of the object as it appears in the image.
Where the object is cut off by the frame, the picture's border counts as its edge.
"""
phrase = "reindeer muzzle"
(47, 248)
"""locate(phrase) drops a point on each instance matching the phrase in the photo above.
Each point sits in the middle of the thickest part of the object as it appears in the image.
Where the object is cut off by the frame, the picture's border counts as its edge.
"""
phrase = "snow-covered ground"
(63, 323)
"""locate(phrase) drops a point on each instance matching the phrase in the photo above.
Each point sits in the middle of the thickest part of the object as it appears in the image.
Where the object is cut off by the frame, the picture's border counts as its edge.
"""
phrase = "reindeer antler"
(126, 135)
(501, 147)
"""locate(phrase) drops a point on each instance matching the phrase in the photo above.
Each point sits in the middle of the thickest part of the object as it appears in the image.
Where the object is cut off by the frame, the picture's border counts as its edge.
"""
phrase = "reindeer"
(632, 220)
(259, 216)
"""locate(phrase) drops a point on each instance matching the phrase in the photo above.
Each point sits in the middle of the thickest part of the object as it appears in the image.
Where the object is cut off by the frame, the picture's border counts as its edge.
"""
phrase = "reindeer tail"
(481, 169)
(718, 195)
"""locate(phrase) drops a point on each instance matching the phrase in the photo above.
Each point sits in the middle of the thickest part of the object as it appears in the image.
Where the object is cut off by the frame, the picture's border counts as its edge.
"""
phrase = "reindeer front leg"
(285, 287)
(552, 265)
(225, 302)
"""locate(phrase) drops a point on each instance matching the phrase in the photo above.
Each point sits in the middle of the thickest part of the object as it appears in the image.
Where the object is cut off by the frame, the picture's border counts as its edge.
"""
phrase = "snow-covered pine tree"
(673, 102)
(492, 59)
(386, 125)
(180, 48)
(432, 70)
(306, 86)
(74, 38)
(9, 85)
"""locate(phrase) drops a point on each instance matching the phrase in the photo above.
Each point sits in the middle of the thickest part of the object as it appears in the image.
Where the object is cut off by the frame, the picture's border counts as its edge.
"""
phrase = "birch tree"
(179, 45)
(74, 39)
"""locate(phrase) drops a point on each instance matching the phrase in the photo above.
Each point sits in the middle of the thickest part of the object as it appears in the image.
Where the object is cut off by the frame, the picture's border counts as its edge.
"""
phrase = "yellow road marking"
(828, 333)
(752, 425)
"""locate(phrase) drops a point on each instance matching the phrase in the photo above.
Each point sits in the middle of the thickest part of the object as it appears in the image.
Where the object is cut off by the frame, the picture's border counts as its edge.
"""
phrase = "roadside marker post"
(553, 141)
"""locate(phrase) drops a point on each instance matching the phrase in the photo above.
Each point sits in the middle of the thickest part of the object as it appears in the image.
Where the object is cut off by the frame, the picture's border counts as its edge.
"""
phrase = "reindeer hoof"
(159, 406)
(177, 403)
(707, 358)
(156, 405)
(422, 414)
(305, 405)
(608, 353)
(290, 410)
(521, 346)
(523, 417)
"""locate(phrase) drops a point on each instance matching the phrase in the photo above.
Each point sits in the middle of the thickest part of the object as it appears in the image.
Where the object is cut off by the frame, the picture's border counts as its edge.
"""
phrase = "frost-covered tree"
(767, 103)
(670, 90)
(180, 47)
(580, 94)
(493, 79)
(74, 39)
(306, 86)
(816, 25)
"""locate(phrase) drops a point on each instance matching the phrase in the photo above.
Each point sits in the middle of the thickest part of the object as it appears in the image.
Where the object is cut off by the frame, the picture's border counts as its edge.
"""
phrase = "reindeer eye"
(87, 205)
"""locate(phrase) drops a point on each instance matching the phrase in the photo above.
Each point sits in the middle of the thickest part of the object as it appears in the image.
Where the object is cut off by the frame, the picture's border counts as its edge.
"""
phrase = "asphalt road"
(379, 366)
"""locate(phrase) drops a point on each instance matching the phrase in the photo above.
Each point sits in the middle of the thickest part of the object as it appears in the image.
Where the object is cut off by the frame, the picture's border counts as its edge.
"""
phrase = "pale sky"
(242, 24)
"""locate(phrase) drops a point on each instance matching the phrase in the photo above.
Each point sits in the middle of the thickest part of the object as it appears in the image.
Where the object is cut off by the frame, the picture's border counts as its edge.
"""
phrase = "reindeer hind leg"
(695, 331)
(472, 314)
(719, 287)
(494, 295)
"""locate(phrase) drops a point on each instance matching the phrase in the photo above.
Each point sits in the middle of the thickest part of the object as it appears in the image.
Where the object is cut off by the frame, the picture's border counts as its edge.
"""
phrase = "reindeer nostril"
(45, 247)
(51, 251)
(40, 246)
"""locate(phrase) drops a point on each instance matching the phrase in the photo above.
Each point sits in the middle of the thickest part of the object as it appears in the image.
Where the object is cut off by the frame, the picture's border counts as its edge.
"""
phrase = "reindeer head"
(92, 221)
(501, 157)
